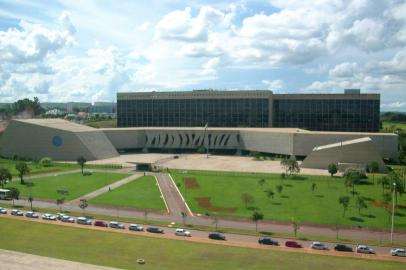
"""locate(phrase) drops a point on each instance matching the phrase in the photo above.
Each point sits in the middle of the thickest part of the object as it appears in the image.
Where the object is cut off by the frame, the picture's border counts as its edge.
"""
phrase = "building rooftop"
(57, 124)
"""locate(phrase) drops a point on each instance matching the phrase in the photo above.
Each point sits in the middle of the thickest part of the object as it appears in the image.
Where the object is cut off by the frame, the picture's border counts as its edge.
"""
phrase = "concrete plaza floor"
(202, 162)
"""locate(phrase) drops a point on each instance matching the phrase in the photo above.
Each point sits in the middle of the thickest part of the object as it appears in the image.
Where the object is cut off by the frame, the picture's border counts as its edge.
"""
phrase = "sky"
(70, 50)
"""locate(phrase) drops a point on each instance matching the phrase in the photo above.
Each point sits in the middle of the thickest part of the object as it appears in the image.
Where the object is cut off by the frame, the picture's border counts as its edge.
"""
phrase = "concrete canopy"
(55, 138)
(352, 153)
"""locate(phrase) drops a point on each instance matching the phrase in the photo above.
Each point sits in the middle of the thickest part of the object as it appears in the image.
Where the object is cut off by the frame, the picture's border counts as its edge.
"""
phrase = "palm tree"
(361, 204)
(384, 181)
(256, 216)
(81, 161)
(344, 201)
(373, 167)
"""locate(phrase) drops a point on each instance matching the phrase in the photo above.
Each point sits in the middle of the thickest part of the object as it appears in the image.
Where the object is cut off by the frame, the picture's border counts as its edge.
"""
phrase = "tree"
(384, 181)
(146, 216)
(256, 216)
(353, 177)
(5, 176)
(373, 167)
(247, 199)
(279, 189)
(30, 200)
(27, 106)
(361, 204)
(83, 204)
(22, 169)
(270, 193)
(60, 202)
(295, 226)
(386, 200)
(314, 187)
(290, 165)
(344, 201)
(14, 194)
(215, 221)
(184, 216)
(81, 162)
(399, 187)
(332, 169)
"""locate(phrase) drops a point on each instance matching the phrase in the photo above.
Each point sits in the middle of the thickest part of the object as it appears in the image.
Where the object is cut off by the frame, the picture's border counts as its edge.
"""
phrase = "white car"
(318, 246)
(116, 225)
(365, 249)
(3, 211)
(16, 212)
(398, 252)
(182, 232)
(31, 214)
(49, 217)
(84, 221)
(135, 227)
(66, 218)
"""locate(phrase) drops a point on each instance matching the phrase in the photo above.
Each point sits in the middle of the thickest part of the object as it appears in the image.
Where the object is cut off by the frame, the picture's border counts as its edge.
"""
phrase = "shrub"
(46, 162)
(87, 173)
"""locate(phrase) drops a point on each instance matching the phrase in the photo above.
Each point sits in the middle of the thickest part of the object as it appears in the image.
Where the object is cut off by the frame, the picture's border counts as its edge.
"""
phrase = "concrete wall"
(267, 142)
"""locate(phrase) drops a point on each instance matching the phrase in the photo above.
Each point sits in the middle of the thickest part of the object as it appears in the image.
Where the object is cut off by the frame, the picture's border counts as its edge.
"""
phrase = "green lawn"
(36, 168)
(295, 201)
(111, 123)
(122, 250)
(77, 185)
(393, 126)
(140, 193)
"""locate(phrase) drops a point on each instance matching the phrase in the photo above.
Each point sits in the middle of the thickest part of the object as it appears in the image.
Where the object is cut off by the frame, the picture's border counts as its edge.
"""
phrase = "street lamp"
(393, 213)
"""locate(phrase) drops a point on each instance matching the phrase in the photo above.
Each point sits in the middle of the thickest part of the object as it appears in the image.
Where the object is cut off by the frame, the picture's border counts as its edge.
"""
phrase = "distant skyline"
(87, 51)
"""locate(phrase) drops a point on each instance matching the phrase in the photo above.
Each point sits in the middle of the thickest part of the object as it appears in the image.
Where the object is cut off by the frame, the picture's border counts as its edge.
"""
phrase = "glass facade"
(357, 115)
(217, 112)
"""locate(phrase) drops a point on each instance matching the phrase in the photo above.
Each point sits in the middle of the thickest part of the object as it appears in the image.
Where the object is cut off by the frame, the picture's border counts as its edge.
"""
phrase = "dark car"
(154, 230)
(293, 244)
(217, 236)
(268, 241)
(344, 248)
(100, 223)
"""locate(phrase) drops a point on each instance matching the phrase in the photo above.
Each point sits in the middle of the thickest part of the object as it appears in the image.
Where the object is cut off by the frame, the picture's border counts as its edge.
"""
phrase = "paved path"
(48, 174)
(12, 260)
(105, 189)
(174, 200)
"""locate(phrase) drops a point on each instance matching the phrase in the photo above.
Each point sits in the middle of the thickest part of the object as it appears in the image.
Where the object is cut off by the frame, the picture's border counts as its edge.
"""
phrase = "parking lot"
(382, 253)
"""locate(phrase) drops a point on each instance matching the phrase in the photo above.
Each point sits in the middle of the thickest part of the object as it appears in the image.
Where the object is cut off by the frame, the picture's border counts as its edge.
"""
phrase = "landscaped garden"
(307, 199)
(75, 184)
(121, 250)
(140, 193)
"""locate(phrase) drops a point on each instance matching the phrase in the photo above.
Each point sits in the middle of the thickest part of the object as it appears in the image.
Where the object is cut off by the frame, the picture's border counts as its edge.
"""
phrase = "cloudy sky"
(71, 50)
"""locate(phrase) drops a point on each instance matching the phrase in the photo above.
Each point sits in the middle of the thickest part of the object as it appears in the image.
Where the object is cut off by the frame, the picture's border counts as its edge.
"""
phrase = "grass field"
(393, 126)
(295, 201)
(36, 168)
(122, 250)
(77, 185)
(112, 123)
(140, 193)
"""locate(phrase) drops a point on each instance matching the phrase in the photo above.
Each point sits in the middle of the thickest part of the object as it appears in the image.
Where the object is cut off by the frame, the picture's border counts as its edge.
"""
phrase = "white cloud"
(394, 105)
(274, 85)
(144, 27)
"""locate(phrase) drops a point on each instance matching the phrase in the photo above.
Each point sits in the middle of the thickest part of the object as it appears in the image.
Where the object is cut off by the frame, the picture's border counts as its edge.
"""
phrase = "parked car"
(49, 217)
(154, 230)
(343, 248)
(16, 212)
(398, 252)
(100, 223)
(318, 246)
(3, 211)
(135, 227)
(268, 241)
(182, 232)
(66, 218)
(31, 214)
(365, 249)
(116, 225)
(217, 236)
(84, 221)
(293, 244)
(59, 216)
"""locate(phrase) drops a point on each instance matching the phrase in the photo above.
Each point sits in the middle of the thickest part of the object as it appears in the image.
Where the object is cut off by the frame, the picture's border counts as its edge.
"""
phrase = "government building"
(350, 111)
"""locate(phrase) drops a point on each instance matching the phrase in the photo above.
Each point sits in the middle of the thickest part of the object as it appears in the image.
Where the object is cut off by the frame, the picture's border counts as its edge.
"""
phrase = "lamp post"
(204, 138)
(393, 213)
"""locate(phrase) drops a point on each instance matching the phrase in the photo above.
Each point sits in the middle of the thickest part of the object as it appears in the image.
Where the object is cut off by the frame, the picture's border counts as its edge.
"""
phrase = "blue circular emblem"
(57, 141)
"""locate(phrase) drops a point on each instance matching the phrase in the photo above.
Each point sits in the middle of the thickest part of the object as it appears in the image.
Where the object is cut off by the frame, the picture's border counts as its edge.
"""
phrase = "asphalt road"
(382, 253)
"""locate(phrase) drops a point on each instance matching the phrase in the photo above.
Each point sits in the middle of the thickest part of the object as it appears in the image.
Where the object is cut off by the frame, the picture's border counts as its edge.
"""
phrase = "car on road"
(100, 223)
(135, 227)
(343, 248)
(365, 249)
(31, 214)
(398, 252)
(217, 236)
(293, 244)
(66, 218)
(16, 212)
(116, 225)
(154, 230)
(182, 232)
(318, 246)
(59, 216)
(3, 211)
(84, 221)
(49, 217)
(268, 241)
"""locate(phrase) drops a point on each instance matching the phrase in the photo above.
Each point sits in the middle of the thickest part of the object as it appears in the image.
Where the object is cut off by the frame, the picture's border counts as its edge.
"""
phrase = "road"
(232, 240)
